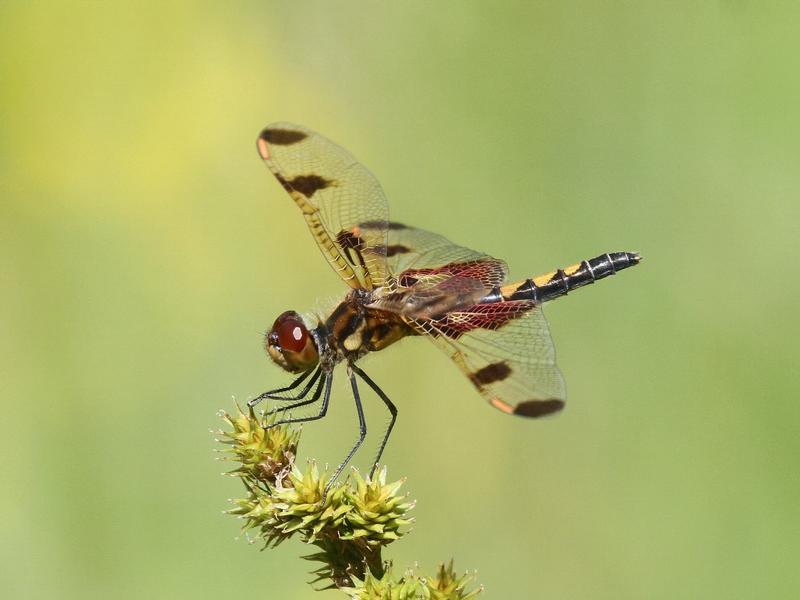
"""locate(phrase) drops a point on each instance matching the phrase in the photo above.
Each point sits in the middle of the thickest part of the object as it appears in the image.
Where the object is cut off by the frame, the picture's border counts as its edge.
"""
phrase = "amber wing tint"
(335, 194)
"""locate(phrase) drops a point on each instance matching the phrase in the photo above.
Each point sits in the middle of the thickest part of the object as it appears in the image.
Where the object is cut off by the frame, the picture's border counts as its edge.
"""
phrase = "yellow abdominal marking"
(570, 270)
(543, 279)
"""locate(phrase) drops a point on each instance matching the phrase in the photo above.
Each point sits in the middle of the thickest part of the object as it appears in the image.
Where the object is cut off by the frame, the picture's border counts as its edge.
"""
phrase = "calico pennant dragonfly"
(404, 282)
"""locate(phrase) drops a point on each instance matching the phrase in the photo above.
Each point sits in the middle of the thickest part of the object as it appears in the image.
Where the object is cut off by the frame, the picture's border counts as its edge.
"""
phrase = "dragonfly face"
(403, 282)
(290, 344)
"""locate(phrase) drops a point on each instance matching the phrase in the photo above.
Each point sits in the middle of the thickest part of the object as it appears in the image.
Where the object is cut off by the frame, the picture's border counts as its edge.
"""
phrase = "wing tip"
(538, 408)
(529, 408)
(261, 145)
(278, 134)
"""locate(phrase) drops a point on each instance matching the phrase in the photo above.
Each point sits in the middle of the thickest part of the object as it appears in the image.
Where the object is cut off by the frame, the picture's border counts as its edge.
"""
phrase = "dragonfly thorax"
(356, 327)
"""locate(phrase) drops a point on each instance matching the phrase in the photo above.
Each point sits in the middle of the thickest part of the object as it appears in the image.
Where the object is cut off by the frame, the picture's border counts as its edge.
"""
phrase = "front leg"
(274, 394)
(325, 383)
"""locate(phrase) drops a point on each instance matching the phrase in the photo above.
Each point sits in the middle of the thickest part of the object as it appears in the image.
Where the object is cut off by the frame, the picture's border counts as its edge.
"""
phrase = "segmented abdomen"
(562, 281)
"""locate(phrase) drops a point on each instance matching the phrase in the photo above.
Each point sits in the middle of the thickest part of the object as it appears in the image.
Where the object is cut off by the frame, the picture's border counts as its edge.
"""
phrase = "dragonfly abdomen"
(562, 281)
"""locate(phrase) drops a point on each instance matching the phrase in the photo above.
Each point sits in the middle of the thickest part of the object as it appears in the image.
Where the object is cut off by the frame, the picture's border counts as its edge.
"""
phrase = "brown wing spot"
(397, 249)
(282, 137)
(373, 224)
(491, 373)
(383, 225)
(538, 408)
(352, 244)
(503, 406)
(349, 239)
(282, 180)
(406, 280)
(308, 185)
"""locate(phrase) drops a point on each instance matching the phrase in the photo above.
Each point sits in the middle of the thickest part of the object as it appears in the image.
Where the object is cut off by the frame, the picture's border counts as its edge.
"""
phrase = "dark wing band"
(335, 194)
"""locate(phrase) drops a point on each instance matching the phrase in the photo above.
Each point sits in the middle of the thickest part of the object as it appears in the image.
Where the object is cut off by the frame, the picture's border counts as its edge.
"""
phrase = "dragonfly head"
(290, 344)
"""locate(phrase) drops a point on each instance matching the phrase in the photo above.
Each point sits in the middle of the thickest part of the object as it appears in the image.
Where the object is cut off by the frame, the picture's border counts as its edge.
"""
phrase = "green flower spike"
(413, 586)
(304, 507)
(408, 587)
(448, 586)
(262, 454)
(292, 505)
(378, 512)
(349, 525)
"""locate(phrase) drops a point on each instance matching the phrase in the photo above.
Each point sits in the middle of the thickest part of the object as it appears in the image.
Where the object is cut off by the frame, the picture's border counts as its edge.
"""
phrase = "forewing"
(335, 193)
(506, 351)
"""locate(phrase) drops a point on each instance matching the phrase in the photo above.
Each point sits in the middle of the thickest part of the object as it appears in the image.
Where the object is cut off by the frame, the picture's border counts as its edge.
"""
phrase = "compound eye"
(291, 333)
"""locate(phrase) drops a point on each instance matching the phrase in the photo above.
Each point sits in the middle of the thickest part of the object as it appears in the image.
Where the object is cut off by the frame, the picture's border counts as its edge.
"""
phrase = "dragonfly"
(403, 282)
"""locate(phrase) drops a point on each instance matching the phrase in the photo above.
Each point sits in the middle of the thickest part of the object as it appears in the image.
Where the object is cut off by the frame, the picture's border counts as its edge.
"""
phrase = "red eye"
(291, 333)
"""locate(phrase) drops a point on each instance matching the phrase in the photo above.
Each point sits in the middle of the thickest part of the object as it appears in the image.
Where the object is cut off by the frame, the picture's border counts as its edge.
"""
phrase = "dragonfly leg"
(362, 431)
(392, 410)
(325, 382)
(284, 409)
(274, 394)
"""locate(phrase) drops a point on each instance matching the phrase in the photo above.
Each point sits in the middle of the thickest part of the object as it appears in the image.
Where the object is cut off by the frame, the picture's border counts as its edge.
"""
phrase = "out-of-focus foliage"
(144, 249)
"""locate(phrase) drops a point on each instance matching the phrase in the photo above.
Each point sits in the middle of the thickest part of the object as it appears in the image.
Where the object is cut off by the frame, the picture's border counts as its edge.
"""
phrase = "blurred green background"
(144, 249)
